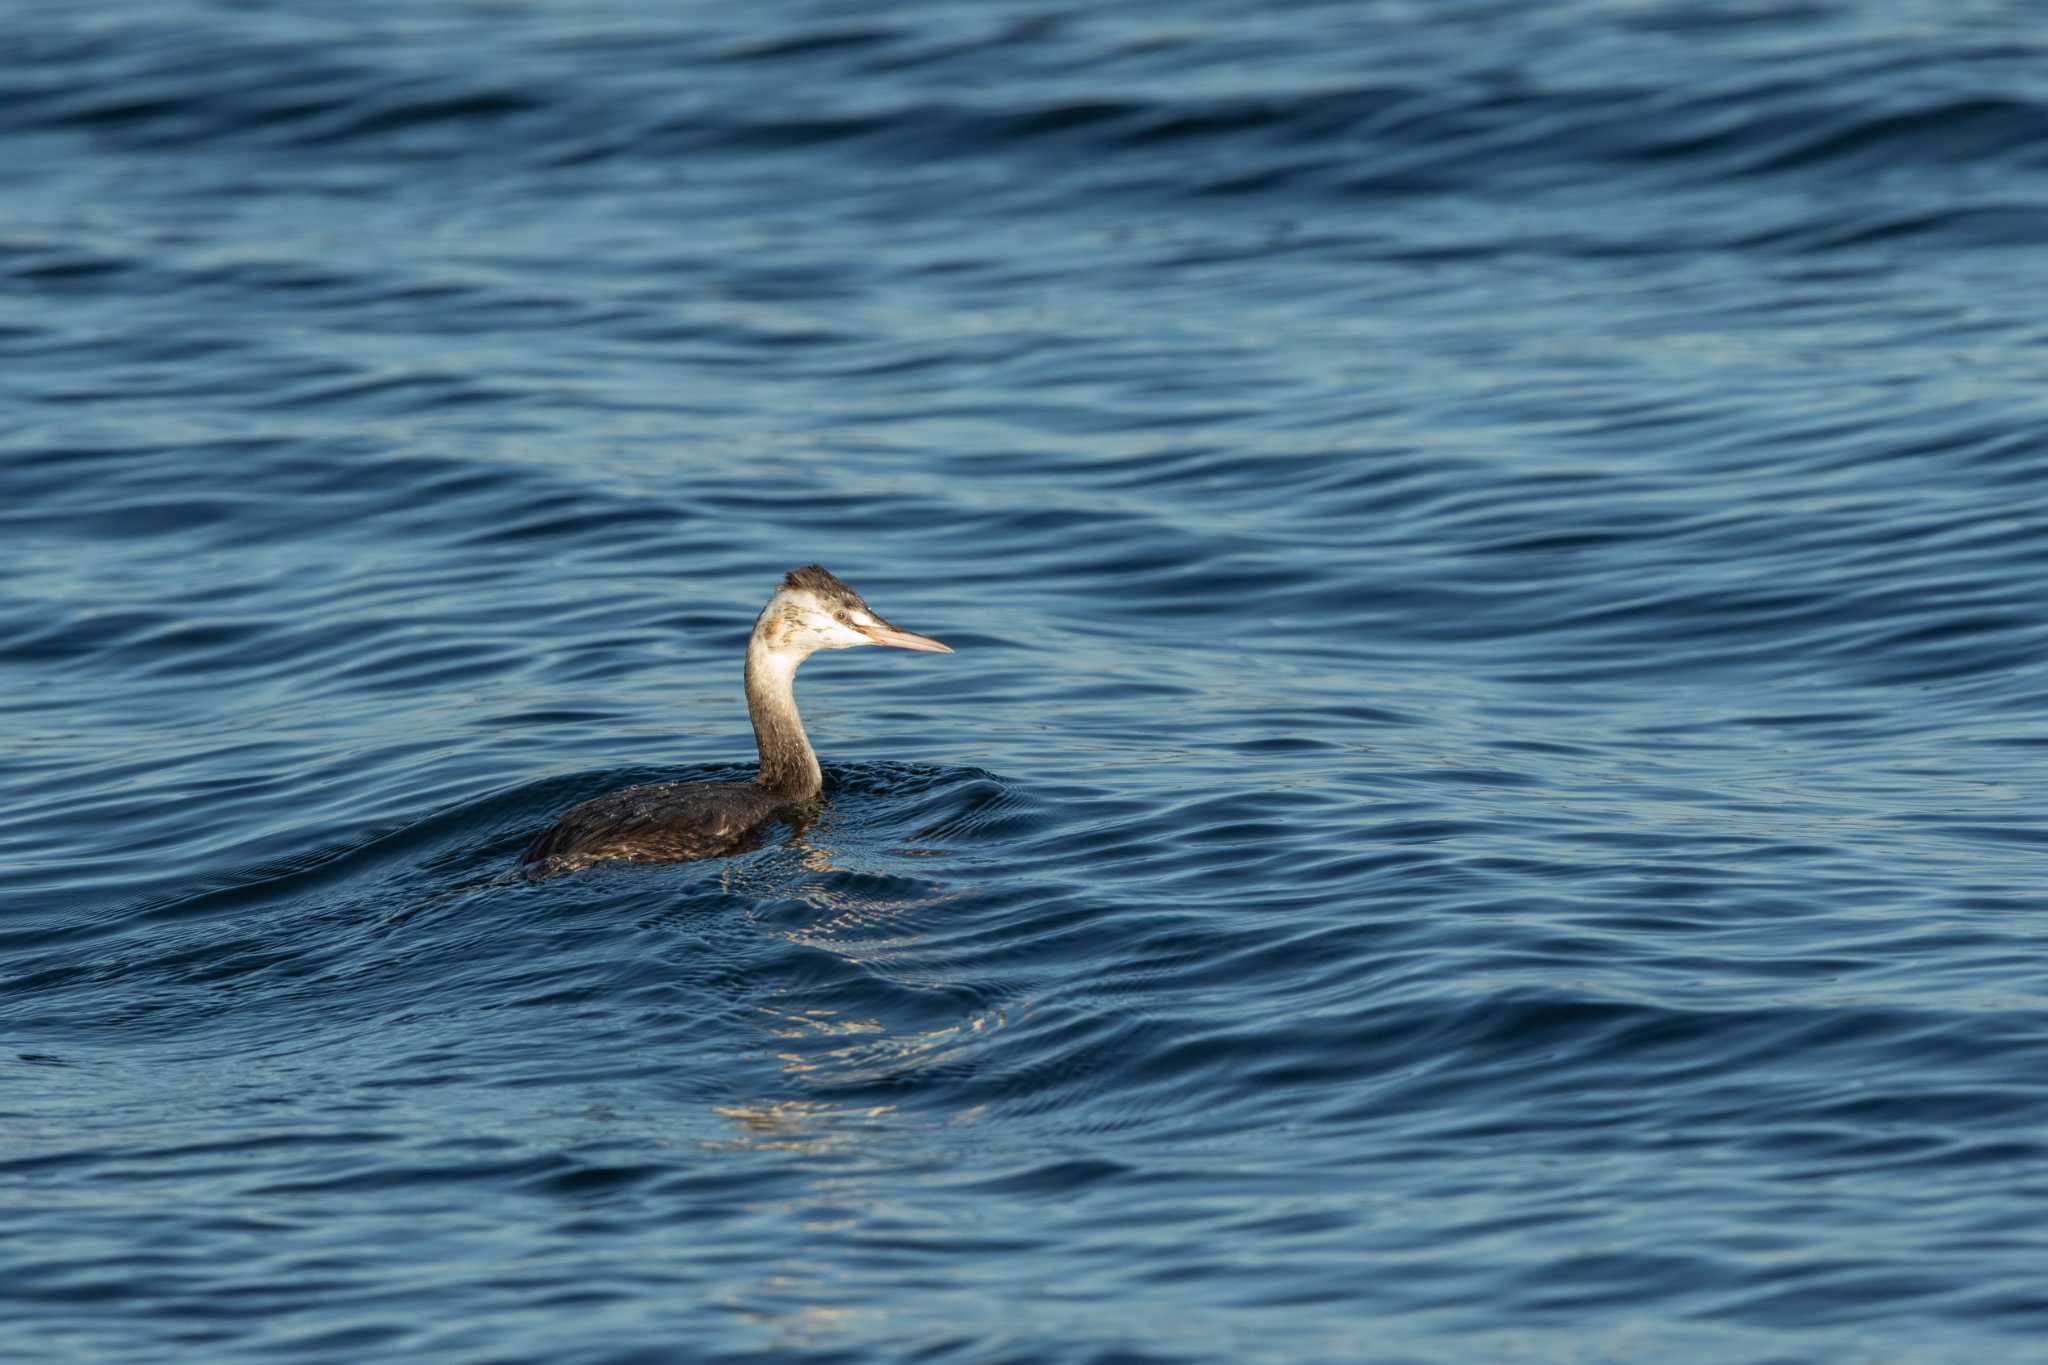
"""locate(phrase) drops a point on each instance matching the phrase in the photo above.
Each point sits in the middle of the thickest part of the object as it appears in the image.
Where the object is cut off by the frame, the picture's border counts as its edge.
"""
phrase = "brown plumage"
(684, 821)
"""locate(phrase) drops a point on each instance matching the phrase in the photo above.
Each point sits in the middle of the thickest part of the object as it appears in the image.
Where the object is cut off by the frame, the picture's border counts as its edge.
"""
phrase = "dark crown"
(819, 580)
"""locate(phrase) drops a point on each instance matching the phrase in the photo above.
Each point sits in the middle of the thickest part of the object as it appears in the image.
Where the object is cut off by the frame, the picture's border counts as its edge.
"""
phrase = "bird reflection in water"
(807, 892)
(868, 919)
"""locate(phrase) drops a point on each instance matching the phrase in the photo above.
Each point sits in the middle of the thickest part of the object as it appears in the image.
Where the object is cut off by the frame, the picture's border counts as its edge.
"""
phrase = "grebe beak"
(882, 634)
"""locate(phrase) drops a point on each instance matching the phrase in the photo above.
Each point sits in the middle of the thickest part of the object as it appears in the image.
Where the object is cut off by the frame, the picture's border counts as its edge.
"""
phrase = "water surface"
(1487, 805)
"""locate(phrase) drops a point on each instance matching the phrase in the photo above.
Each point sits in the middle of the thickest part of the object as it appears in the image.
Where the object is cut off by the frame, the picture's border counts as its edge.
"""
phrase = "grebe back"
(684, 821)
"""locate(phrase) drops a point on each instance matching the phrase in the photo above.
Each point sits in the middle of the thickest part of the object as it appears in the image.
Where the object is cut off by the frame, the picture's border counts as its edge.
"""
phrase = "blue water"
(1489, 804)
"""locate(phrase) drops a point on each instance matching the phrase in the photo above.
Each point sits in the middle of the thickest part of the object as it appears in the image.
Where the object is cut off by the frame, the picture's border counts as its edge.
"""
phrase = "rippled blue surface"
(1489, 801)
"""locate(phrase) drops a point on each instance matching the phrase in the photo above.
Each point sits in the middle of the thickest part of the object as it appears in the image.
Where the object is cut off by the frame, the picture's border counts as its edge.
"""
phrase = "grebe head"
(813, 610)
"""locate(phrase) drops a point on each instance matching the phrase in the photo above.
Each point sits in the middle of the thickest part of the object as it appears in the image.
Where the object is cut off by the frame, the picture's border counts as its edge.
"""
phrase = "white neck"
(788, 766)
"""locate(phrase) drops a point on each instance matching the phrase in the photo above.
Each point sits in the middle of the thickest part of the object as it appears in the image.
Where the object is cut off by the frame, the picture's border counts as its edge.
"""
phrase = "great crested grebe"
(683, 821)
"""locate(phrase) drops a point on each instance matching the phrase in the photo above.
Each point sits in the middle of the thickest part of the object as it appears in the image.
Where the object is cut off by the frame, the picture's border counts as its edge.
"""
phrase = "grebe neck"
(788, 766)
